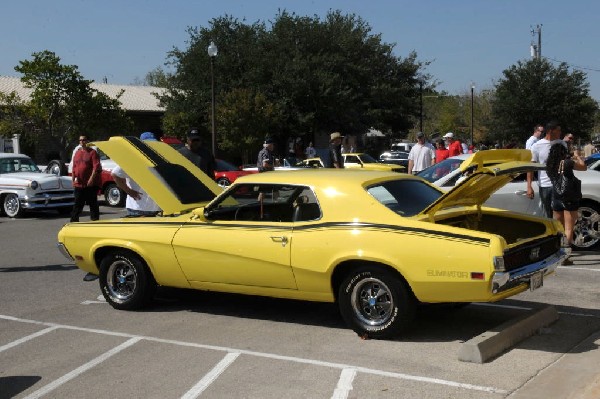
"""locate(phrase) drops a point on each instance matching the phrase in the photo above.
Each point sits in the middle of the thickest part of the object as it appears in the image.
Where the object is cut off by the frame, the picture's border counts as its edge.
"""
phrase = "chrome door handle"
(283, 240)
(521, 192)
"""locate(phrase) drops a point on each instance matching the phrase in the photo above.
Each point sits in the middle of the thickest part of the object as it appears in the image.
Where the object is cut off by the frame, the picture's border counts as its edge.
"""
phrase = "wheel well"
(104, 251)
(591, 203)
(343, 269)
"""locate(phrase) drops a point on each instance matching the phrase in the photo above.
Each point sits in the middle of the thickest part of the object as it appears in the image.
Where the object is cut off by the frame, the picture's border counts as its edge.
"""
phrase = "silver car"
(23, 186)
(513, 197)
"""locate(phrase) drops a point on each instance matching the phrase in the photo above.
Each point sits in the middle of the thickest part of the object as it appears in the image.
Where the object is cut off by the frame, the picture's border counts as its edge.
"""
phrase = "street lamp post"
(421, 105)
(472, 91)
(212, 53)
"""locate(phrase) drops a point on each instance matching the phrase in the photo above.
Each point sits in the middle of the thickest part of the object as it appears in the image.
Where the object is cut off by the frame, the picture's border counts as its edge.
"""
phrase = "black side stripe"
(306, 227)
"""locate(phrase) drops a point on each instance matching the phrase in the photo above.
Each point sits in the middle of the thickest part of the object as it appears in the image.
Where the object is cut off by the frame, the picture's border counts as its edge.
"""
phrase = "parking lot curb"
(493, 342)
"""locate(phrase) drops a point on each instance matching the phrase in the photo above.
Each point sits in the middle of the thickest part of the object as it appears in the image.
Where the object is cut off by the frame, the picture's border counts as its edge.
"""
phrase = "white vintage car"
(513, 196)
(23, 186)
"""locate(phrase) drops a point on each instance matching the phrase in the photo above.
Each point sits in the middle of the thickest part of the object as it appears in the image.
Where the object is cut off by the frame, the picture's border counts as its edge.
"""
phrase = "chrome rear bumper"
(502, 281)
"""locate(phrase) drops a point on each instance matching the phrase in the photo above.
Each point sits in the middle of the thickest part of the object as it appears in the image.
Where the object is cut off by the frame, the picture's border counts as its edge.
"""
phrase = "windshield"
(439, 170)
(13, 165)
(366, 158)
(224, 166)
(405, 197)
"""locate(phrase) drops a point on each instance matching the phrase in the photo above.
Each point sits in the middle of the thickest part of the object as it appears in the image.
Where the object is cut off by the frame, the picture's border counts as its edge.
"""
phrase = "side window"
(258, 202)
(306, 207)
(351, 159)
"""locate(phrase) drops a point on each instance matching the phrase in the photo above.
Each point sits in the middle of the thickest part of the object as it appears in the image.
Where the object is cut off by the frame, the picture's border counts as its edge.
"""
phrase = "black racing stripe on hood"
(185, 186)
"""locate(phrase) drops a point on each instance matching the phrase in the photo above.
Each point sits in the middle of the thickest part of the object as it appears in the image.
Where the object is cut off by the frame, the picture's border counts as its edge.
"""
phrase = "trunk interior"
(513, 230)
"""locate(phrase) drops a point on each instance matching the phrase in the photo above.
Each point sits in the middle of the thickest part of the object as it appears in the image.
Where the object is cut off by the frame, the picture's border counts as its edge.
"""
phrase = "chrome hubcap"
(587, 229)
(372, 301)
(11, 205)
(121, 280)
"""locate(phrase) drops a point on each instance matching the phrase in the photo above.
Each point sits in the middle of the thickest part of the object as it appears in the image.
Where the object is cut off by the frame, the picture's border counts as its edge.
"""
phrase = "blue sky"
(466, 40)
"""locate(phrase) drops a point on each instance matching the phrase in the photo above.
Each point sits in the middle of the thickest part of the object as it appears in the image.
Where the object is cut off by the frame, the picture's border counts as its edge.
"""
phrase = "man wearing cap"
(266, 160)
(197, 154)
(138, 203)
(454, 147)
(335, 151)
(421, 156)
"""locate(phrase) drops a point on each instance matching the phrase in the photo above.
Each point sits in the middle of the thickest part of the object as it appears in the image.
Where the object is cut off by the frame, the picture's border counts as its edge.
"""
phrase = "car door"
(513, 197)
(245, 241)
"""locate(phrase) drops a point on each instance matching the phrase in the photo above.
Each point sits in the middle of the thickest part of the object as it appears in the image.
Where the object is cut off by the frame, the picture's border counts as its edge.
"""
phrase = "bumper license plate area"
(536, 281)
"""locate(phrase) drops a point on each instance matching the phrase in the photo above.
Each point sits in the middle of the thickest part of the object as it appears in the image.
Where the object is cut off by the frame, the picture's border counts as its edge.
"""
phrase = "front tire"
(114, 196)
(11, 206)
(126, 281)
(376, 303)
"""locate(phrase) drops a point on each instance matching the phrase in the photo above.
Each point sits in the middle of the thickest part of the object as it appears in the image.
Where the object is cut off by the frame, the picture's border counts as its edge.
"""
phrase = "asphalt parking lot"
(59, 339)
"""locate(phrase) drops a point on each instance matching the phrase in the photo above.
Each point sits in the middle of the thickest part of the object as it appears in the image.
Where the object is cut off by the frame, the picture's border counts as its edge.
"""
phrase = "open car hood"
(488, 171)
(170, 179)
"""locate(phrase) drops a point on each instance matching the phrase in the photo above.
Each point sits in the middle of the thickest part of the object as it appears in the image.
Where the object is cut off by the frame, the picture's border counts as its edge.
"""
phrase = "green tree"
(62, 105)
(318, 75)
(535, 92)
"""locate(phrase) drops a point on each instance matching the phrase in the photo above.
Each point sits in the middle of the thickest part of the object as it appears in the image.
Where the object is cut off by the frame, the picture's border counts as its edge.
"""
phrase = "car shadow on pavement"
(13, 385)
(433, 322)
(248, 306)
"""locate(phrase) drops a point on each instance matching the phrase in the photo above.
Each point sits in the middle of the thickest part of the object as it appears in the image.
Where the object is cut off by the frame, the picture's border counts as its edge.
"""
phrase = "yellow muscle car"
(377, 243)
(362, 160)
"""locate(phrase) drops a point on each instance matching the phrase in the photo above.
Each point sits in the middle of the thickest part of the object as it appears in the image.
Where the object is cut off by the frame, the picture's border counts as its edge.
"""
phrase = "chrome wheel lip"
(121, 281)
(587, 229)
(372, 301)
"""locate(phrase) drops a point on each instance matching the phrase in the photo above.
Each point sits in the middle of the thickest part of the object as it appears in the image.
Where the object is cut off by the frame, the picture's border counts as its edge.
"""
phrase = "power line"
(574, 66)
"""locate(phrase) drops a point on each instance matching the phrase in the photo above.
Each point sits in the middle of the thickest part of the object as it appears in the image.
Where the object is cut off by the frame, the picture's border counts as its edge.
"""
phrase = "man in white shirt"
(138, 203)
(540, 151)
(535, 136)
(421, 156)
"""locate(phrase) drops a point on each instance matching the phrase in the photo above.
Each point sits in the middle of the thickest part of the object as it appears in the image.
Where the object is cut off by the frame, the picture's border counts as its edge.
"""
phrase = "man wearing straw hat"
(335, 151)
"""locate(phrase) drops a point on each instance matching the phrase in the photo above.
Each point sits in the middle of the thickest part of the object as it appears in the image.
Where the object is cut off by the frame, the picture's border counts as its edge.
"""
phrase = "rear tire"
(223, 182)
(56, 167)
(376, 303)
(114, 196)
(126, 281)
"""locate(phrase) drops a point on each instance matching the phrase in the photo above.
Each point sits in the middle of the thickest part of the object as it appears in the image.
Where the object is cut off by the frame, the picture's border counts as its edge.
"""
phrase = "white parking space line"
(27, 338)
(82, 369)
(344, 385)
(211, 376)
(342, 366)
(91, 302)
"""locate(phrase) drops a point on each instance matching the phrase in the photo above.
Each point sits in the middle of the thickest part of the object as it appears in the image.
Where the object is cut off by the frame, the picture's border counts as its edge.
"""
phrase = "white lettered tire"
(376, 303)
(126, 281)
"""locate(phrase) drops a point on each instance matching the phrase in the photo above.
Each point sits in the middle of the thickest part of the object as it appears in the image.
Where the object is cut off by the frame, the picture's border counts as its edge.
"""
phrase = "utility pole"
(536, 49)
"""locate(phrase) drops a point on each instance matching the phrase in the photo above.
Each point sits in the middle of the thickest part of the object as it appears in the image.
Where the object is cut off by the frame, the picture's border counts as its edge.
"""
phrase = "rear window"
(405, 197)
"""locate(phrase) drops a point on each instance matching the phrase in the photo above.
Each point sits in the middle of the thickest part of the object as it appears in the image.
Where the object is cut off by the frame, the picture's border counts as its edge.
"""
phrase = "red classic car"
(226, 173)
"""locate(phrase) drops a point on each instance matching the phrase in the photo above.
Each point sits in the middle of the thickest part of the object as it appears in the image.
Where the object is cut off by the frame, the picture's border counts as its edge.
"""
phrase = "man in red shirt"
(454, 147)
(86, 180)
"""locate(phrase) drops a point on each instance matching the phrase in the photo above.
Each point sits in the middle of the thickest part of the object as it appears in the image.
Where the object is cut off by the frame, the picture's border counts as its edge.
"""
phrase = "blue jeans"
(546, 198)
